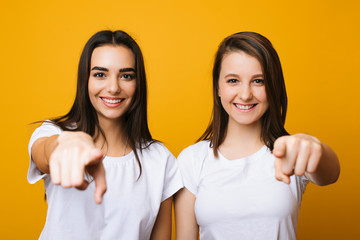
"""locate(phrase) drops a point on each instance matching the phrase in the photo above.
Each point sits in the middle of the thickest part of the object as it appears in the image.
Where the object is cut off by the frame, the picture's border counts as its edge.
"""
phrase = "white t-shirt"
(130, 206)
(240, 199)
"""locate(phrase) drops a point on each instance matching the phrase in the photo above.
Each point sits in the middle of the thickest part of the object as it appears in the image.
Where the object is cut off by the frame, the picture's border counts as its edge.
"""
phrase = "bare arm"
(41, 151)
(162, 226)
(303, 154)
(327, 170)
(66, 157)
(185, 220)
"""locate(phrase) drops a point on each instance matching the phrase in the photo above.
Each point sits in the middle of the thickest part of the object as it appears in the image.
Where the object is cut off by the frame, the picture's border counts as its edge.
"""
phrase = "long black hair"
(273, 120)
(82, 115)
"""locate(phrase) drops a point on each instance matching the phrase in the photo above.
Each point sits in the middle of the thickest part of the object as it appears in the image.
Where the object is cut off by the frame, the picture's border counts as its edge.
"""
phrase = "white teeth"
(111, 100)
(244, 107)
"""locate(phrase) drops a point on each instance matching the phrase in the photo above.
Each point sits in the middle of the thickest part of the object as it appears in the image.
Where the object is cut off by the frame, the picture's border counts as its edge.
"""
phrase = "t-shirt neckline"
(244, 160)
(127, 157)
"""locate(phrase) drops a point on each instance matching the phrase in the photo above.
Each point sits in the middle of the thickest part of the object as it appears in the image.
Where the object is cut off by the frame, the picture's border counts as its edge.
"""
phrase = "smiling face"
(241, 88)
(112, 81)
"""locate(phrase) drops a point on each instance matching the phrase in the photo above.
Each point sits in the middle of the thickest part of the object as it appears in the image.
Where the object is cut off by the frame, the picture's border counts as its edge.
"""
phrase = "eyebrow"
(107, 70)
(127, 70)
(100, 69)
(258, 75)
(236, 75)
(231, 75)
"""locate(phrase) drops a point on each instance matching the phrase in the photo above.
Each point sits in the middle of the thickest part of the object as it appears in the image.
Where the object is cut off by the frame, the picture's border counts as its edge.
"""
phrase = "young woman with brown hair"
(231, 175)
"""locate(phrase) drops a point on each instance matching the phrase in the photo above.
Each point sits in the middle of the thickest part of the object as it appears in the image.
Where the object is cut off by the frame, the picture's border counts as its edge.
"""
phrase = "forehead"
(110, 56)
(240, 61)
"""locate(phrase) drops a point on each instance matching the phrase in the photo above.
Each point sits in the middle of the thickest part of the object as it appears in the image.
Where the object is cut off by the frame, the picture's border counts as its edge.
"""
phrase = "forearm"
(328, 170)
(42, 150)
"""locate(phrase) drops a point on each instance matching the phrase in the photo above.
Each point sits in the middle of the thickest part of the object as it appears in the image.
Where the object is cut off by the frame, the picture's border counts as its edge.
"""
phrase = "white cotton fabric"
(129, 207)
(240, 199)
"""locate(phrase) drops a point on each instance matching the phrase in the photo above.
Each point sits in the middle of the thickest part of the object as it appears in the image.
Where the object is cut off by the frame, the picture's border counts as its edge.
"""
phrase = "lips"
(112, 100)
(244, 106)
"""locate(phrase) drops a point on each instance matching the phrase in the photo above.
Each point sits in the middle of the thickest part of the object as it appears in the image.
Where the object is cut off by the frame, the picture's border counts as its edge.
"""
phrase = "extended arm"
(41, 151)
(66, 157)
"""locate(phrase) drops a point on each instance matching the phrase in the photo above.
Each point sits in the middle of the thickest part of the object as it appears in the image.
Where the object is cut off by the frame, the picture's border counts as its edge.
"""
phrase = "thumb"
(279, 150)
(279, 175)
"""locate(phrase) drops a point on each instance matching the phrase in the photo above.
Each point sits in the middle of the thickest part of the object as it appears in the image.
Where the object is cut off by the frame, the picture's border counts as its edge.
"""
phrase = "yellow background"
(318, 43)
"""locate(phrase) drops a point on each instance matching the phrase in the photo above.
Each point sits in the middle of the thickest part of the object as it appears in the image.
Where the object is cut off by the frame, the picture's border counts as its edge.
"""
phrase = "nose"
(245, 92)
(113, 85)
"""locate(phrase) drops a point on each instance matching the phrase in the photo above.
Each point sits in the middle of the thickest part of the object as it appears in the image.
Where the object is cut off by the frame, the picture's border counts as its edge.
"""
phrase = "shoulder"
(156, 148)
(157, 152)
(195, 155)
(47, 129)
(197, 150)
(191, 161)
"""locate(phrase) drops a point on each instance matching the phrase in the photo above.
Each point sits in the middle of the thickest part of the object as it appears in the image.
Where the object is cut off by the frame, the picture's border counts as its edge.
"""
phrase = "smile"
(112, 101)
(244, 107)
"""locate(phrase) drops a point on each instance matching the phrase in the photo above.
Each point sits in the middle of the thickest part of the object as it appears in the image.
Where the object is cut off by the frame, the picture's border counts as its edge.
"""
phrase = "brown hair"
(273, 120)
(83, 113)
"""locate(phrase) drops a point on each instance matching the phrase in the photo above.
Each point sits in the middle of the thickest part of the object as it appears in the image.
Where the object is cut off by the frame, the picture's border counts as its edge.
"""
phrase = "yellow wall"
(318, 43)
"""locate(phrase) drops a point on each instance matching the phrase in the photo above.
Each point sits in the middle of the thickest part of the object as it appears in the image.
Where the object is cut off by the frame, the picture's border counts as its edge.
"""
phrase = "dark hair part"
(83, 113)
(273, 120)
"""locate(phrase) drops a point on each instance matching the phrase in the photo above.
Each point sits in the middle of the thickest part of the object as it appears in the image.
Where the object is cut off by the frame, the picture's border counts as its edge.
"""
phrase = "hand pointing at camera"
(302, 154)
(74, 154)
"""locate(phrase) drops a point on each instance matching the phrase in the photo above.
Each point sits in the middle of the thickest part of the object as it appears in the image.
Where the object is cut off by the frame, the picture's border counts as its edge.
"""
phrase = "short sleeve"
(188, 167)
(47, 129)
(172, 181)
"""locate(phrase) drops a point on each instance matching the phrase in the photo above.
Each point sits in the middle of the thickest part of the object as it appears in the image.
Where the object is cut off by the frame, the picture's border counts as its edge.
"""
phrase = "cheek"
(130, 88)
(227, 94)
(226, 100)
(263, 98)
(261, 95)
(93, 88)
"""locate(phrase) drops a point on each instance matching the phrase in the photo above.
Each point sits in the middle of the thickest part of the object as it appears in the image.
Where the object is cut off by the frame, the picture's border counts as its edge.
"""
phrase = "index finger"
(100, 185)
(98, 173)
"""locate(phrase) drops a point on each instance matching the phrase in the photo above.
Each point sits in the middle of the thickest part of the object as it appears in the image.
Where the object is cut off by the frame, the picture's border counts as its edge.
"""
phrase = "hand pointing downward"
(75, 154)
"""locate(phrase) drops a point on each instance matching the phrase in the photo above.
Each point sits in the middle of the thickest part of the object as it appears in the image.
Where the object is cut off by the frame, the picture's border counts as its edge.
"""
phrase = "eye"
(99, 75)
(259, 81)
(233, 80)
(128, 76)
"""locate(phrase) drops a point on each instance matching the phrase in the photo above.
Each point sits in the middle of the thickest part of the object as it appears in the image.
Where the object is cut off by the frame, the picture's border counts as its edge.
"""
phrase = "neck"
(241, 140)
(116, 140)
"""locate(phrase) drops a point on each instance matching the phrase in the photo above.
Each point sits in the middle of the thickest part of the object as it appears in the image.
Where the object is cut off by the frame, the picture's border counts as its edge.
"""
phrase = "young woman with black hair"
(245, 177)
(104, 145)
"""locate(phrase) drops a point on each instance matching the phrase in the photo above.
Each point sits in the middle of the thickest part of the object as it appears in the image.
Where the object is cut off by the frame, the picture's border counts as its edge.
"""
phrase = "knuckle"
(316, 147)
(295, 142)
(287, 171)
(305, 144)
(311, 169)
(77, 182)
(55, 181)
(278, 176)
(66, 185)
(299, 172)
